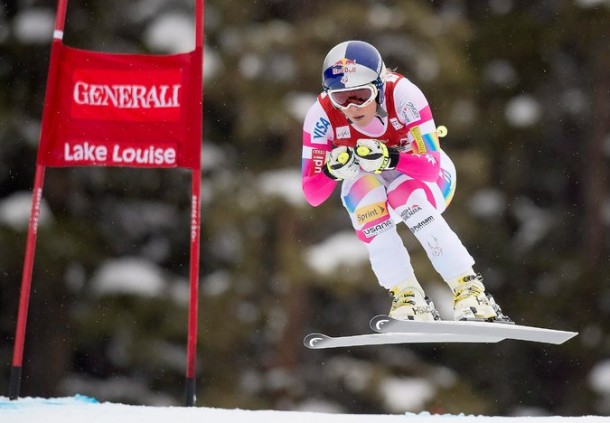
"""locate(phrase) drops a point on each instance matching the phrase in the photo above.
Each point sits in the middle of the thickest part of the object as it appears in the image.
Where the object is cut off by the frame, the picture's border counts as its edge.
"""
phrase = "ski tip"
(562, 336)
(378, 322)
(312, 340)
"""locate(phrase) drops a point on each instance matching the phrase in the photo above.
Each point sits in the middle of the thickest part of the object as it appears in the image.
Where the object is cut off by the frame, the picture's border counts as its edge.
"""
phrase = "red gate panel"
(123, 110)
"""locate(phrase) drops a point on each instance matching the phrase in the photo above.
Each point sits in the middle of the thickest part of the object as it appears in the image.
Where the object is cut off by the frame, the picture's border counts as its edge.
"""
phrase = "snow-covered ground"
(81, 409)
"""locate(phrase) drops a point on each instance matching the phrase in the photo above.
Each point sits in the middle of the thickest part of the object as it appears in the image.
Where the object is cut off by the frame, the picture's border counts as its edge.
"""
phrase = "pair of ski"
(392, 331)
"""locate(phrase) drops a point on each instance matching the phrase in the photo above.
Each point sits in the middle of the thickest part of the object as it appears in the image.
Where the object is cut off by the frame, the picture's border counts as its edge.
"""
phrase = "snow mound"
(80, 409)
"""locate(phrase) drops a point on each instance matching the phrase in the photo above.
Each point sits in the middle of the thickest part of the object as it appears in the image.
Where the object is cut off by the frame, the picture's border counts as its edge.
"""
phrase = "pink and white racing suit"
(416, 192)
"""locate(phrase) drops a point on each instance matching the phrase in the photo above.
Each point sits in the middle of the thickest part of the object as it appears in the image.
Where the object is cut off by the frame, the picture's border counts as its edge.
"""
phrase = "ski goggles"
(359, 97)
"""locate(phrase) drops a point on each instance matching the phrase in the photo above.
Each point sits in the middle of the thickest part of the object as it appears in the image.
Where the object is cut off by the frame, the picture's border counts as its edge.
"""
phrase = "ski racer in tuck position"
(372, 130)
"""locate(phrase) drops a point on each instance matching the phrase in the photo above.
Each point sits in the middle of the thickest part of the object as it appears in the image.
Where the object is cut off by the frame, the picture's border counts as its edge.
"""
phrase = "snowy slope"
(81, 409)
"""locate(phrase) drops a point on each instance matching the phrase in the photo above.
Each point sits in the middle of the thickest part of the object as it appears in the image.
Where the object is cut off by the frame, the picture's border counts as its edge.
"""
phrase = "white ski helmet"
(352, 64)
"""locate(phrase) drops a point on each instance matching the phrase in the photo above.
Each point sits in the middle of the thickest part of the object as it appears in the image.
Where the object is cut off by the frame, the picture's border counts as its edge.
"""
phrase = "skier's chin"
(361, 120)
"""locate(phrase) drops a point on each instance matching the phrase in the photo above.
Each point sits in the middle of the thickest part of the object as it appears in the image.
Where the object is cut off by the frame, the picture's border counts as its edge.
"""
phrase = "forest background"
(523, 87)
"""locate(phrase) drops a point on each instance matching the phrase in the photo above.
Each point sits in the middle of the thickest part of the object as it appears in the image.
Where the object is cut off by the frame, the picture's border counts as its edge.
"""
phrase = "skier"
(372, 130)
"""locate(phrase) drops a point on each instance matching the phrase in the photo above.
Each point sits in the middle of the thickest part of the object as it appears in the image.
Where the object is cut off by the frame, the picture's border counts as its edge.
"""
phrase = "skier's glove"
(341, 164)
(375, 156)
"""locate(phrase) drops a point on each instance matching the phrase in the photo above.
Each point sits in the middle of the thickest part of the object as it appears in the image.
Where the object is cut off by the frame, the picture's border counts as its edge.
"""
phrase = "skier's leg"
(420, 205)
(365, 200)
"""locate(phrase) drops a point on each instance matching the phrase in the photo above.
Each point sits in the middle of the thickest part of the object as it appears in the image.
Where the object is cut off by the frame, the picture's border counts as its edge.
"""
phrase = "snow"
(487, 203)
(298, 104)
(600, 378)
(15, 211)
(139, 277)
(175, 33)
(382, 17)
(534, 224)
(592, 3)
(283, 183)
(250, 66)
(523, 111)
(464, 112)
(341, 249)
(171, 32)
(394, 390)
(129, 275)
(34, 26)
(500, 72)
(427, 67)
(575, 102)
(80, 409)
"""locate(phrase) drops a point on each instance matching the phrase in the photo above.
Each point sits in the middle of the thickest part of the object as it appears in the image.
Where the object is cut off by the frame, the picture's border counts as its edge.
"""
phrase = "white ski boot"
(409, 303)
(471, 302)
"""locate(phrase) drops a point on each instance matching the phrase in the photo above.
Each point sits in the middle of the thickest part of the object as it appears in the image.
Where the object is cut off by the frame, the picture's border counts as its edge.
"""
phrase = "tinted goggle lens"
(356, 96)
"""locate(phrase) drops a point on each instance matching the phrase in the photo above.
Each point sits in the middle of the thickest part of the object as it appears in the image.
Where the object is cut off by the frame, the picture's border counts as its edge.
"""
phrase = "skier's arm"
(414, 112)
(317, 186)
(424, 164)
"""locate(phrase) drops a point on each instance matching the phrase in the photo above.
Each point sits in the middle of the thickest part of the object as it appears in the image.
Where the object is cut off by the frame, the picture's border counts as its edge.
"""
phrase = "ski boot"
(471, 302)
(500, 317)
(409, 303)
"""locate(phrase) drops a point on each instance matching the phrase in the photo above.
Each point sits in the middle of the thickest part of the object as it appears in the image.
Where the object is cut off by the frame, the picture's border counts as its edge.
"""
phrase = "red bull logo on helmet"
(344, 66)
